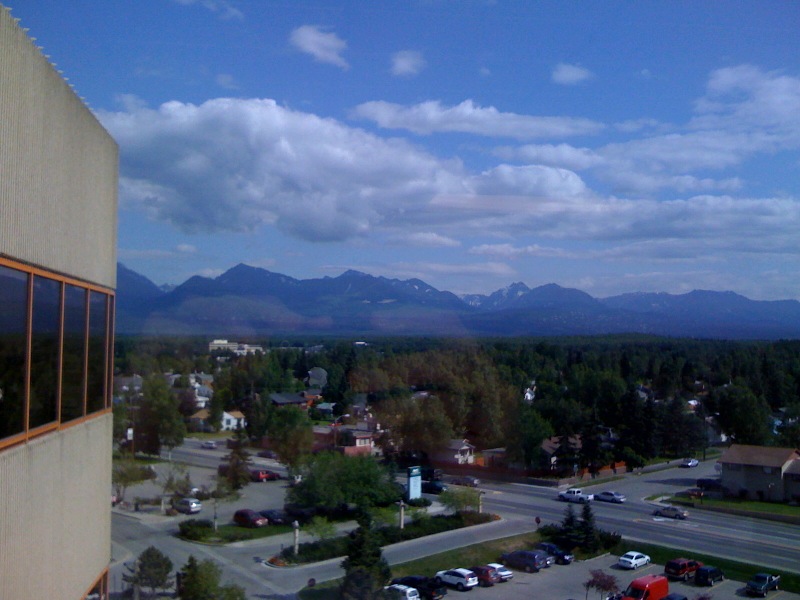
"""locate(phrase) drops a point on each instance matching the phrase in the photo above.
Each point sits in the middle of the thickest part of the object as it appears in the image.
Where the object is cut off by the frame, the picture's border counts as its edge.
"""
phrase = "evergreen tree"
(366, 571)
(152, 569)
(570, 533)
(201, 581)
(587, 530)
(237, 462)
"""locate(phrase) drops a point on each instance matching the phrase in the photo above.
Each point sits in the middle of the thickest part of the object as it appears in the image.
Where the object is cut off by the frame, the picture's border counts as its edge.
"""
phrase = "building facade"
(58, 228)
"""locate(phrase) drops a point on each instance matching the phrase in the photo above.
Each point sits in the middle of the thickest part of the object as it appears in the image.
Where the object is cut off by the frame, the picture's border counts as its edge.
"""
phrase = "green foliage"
(291, 435)
(201, 581)
(159, 422)
(152, 569)
(195, 529)
(320, 528)
(525, 439)
(458, 499)
(126, 472)
(366, 572)
(334, 480)
(743, 415)
(236, 471)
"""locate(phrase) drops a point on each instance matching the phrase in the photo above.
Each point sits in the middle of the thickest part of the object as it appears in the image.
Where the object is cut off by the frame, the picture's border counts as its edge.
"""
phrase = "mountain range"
(249, 301)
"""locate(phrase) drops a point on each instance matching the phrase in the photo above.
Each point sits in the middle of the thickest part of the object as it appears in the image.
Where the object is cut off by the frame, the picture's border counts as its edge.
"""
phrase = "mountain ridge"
(248, 300)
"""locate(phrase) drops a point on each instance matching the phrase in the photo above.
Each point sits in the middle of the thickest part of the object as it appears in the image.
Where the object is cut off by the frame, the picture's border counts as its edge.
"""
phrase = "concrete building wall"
(58, 215)
(58, 168)
(55, 512)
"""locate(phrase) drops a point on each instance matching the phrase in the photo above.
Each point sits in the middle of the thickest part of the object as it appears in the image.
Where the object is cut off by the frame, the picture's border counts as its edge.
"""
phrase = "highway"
(773, 545)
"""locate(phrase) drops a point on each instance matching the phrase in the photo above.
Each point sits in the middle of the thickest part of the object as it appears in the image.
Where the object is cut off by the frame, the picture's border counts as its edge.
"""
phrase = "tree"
(603, 582)
(320, 528)
(126, 472)
(152, 569)
(201, 581)
(417, 424)
(366, 570)
(291, 436)
(236, 471)
(334, 480)
(526, 434)
(587, 530)
(160, 423)
(570, 529)
(461, 499)
(743, 415)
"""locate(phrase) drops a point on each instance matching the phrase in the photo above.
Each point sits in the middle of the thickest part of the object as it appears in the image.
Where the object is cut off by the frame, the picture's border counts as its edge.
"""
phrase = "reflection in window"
(95, 384)
(74, 353)
(13, 300)
(44, 351)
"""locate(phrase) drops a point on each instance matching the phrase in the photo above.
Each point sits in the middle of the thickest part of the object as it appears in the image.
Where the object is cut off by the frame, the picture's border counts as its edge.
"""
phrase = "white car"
(209, 445)
(401, 592)
(609, 496)
(633, 560)
(188, 506)
(504, 572)
(688, 463)
(461, 579)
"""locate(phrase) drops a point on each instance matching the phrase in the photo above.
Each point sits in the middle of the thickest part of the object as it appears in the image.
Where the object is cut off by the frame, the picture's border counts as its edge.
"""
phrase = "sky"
(612, 147)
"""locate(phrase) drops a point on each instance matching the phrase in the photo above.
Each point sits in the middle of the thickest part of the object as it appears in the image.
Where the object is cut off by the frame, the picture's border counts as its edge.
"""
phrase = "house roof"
(758, 456)
(552, 444)
(277, 398)
(236, 414)
(459, 445)
(203, 413)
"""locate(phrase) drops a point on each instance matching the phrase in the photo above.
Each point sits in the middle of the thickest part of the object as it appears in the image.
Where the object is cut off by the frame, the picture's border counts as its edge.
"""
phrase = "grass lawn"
(226, 534)
(767, 508)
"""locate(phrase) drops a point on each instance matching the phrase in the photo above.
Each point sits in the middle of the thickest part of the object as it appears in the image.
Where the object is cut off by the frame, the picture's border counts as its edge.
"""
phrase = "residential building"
(761, 472)
(237, 348)
(58, 238)
(459, 452)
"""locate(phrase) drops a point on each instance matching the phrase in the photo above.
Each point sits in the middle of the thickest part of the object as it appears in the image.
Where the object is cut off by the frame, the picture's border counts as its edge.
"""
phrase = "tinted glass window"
(72, 376)
(44, 350)
(95, 383)
(13, 296)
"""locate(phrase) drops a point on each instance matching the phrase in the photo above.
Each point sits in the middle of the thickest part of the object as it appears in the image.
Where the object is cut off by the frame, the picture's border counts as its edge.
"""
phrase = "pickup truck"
(761, 583)
(575, 495)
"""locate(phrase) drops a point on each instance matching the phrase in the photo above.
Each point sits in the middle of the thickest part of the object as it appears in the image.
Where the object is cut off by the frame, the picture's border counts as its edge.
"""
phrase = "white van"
(402, 592)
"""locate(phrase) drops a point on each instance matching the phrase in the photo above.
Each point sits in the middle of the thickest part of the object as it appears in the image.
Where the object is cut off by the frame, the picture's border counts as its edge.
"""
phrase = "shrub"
(195, 529)
(419, 502)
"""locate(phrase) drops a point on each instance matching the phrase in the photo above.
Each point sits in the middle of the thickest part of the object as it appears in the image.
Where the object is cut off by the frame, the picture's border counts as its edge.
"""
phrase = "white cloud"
(226, 81)
(565, 74)
(426, 239)
(407, 63)
(323, 46)
(186, 249)
(225, 9)
(561, 155)
(467, 117)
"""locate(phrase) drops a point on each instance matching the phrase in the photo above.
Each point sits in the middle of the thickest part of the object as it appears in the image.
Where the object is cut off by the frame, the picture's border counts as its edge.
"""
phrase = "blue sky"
(608, 146)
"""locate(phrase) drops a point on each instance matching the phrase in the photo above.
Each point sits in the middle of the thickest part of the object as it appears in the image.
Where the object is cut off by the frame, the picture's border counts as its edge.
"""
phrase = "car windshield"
(634, 592)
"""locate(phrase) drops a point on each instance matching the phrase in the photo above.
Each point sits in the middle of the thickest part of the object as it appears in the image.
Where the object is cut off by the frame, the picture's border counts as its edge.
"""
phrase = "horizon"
(631, 148)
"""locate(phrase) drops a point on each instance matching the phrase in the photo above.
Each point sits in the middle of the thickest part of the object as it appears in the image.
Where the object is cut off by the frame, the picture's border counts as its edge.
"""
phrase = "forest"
(629, 398)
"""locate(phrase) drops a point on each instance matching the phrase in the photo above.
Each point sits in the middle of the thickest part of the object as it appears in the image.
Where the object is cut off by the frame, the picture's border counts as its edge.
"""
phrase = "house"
(347, 439)
(294, 399)
(551, 449)
(459, 452)
(761, 472)
(233, 420)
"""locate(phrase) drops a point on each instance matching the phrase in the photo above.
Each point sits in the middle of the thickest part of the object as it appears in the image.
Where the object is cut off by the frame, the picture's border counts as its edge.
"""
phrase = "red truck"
(647, 587)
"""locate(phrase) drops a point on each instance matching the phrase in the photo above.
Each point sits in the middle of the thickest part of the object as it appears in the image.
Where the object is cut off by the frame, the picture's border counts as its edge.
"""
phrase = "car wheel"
(460, 586)
(528, 569)
(439, 581)
(686, 577)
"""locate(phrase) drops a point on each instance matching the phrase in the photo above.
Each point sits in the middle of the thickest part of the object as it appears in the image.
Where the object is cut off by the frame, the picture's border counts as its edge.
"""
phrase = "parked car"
(433, 487)
(649, 587)
(525, 560)
(708, 575)
(672, 512)
(504, 573)
(188, 506)
(633, 560)
(275, 517)
(562, 557)
(609, 496)
(465, 480)
(675, 596)
(263, 475)
(209, 445)
(762, 583)
(681, 568)
(487, 576)
(245, 517)
(427, 587)
(461, 579)
(267, 454)
(688, 463)
(398, 591)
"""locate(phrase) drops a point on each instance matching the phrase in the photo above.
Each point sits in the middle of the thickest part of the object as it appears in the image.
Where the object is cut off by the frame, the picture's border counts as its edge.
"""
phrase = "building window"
(45, 345)
(13, 323)
(55, 351)
(73, 357)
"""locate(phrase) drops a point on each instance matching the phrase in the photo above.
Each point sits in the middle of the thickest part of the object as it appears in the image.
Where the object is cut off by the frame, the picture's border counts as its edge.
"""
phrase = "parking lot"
(563, 582)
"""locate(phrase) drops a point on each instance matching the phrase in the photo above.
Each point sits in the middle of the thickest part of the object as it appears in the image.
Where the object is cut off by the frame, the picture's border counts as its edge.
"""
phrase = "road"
(738, 538)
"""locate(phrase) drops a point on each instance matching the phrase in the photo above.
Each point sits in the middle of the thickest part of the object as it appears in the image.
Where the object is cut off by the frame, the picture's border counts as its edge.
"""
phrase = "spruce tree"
(366, 571)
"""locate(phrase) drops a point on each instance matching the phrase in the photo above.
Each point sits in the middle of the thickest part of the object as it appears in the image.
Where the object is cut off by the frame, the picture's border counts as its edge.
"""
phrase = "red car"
(263, 475)
(681, 568)
(486, 575)
(249, 518)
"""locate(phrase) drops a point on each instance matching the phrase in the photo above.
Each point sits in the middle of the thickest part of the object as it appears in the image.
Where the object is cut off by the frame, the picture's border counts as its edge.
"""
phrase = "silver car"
(609, 496)
(188, 506)
(671, 512)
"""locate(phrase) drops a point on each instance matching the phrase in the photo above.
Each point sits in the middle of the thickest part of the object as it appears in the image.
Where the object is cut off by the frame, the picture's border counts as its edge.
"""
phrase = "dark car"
(562, 556)
(245, 517)
(675, 596)
(525, 560)
(487, 576)
(681, 568)
(433, 487)
(275, 517)
(301, 514)
(708, 575)
(426, 586)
